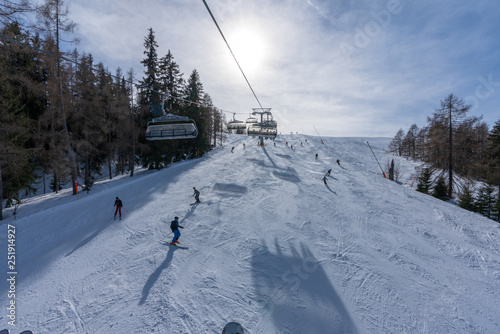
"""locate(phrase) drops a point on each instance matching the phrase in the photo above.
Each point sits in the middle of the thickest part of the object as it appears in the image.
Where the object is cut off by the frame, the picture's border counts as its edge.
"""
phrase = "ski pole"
(377, 160)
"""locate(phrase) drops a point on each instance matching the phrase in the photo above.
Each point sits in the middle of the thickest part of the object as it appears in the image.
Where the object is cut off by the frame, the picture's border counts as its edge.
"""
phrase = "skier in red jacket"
(118, 204)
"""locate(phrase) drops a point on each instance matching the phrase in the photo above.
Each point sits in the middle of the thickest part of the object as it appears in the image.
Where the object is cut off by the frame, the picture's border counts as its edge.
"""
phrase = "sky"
(345, 68)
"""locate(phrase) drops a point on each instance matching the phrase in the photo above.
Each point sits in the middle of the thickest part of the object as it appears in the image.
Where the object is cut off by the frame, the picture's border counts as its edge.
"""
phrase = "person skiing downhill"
(174, 226)
(118, 204)
(329, 171)
(196, 195)
(324, 180)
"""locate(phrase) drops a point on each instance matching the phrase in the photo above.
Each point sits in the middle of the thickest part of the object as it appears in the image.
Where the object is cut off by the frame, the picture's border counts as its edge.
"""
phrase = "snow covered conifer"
(424, 181)
(440, 189)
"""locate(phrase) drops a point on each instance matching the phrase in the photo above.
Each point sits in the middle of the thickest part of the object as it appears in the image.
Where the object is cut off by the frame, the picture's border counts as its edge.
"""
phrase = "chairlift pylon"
(267, 127)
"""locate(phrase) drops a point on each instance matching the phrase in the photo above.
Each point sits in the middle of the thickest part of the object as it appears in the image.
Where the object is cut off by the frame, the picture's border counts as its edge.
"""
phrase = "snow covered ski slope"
(270, 247)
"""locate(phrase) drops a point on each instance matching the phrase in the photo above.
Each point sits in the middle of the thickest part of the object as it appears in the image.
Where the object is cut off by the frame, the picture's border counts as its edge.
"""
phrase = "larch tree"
(54, 16)
(443, 127)
(20, 99)
(396, 145)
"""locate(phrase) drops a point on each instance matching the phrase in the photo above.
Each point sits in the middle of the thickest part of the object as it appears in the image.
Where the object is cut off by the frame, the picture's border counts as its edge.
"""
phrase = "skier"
(196, 195)
(118, 204)
(174, 226)
(232, 149)
(324, 180)
(243, 145)
(274, 144)
(329, 171)
(316, 156)
(338, 162)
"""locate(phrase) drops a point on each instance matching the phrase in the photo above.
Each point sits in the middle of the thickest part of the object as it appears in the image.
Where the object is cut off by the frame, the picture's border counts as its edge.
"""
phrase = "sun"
(248, 47)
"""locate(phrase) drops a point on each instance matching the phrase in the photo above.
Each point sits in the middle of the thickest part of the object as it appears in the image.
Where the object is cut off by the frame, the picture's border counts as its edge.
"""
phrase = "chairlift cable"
(230, 50)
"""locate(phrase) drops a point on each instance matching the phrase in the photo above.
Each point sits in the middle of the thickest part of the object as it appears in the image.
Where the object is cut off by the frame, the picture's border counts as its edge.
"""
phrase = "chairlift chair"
(170, 126)
(235, 124)
(251, 120)
(262, 130)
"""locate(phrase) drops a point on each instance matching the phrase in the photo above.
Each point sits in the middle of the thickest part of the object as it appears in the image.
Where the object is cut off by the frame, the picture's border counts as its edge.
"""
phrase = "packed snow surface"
(270, 246)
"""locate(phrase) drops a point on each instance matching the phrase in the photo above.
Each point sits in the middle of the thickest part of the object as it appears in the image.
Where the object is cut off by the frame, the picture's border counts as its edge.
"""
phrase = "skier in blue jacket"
(174, 226)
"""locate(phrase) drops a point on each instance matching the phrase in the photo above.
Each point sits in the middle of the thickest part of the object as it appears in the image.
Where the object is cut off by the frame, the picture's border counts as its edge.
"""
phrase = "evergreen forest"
(65, 117)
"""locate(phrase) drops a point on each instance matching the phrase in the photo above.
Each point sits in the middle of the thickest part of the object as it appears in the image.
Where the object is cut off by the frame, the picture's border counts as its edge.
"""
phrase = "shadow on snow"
(156, 274)
(284, 283)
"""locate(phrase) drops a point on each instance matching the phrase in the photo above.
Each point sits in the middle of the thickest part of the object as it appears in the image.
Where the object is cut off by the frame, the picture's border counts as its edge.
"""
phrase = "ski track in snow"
(270, 246)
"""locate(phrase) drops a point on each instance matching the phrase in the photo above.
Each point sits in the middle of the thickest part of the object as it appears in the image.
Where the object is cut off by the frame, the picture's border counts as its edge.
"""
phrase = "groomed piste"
(269, 246)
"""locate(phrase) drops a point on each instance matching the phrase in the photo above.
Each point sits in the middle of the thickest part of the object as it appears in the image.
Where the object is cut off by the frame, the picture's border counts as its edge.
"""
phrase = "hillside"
(270, 246)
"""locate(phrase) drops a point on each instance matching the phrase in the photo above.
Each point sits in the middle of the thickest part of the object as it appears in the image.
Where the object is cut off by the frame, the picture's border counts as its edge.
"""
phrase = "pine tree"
(496, 208)
(493, 156)
(149, 94)
(154, 154)
(440, 189)
(424, 181)
(194, 98)
(486, 200)
(171, 83)
(466, 199)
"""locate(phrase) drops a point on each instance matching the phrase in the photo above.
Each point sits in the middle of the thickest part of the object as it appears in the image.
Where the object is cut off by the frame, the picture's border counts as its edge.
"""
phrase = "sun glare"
(248, 48)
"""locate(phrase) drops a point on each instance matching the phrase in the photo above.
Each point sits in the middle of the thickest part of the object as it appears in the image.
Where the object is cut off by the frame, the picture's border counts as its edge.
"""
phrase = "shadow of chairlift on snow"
(283, 283)
(286, 174)
(230, 189)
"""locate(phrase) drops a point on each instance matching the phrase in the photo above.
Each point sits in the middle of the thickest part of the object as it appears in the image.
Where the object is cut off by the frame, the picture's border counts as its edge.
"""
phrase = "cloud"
(405, 55)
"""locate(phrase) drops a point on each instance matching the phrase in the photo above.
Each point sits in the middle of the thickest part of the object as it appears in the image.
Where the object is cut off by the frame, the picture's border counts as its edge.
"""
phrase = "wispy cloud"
(404, 56)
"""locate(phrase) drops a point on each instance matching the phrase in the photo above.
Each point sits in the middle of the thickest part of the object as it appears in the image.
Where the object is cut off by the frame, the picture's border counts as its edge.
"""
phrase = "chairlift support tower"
(266, 128)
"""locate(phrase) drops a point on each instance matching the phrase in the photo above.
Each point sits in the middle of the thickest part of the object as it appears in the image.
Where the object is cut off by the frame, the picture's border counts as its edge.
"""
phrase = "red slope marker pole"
(76, 186)
(319, 136)
(377, 160)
